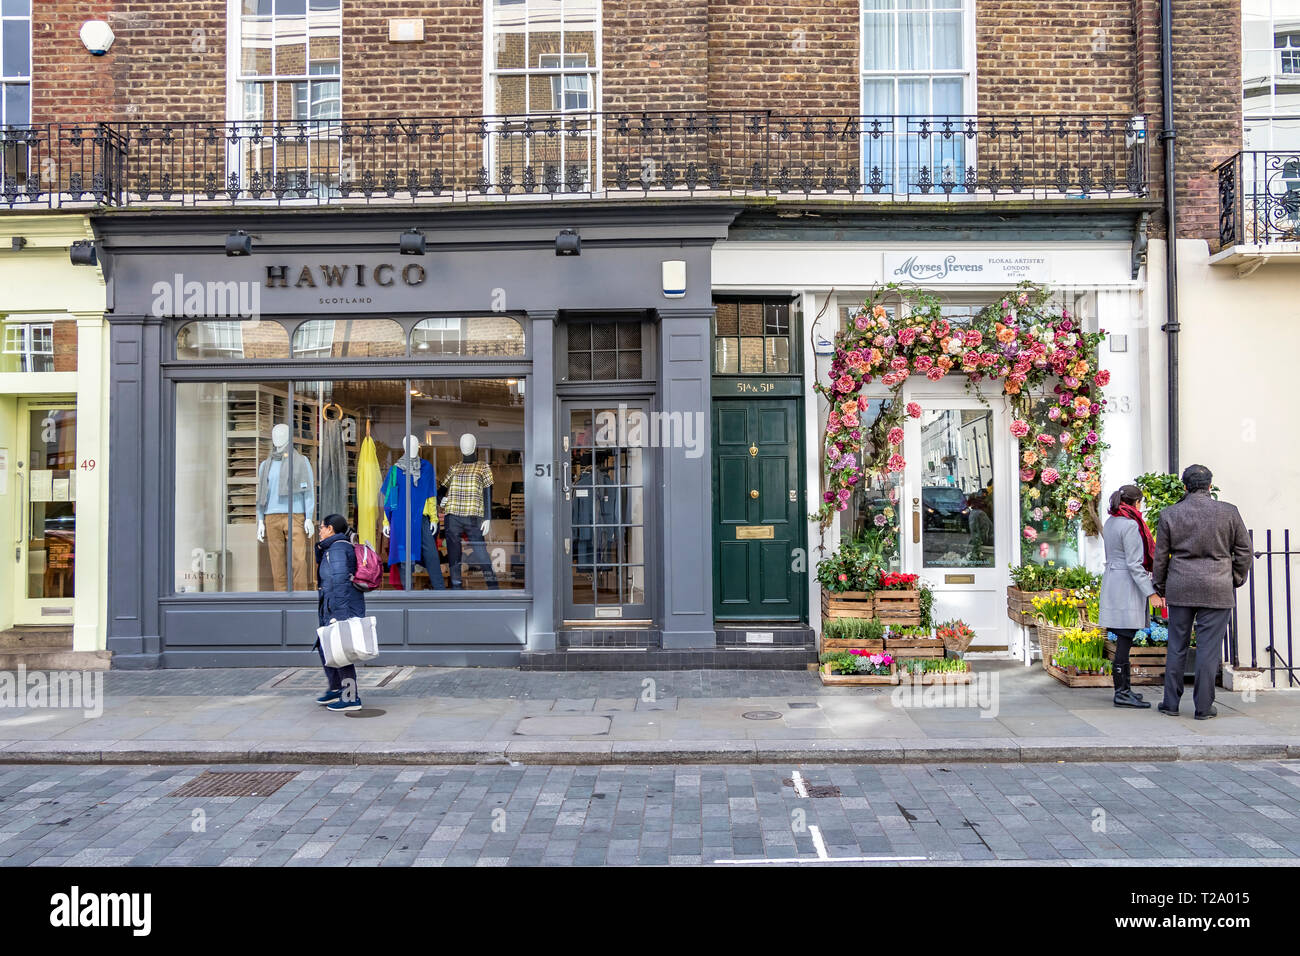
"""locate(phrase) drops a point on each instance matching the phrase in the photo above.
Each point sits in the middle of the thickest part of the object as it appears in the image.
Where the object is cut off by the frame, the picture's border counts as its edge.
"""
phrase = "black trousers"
(1211, 627)
(1119, 666)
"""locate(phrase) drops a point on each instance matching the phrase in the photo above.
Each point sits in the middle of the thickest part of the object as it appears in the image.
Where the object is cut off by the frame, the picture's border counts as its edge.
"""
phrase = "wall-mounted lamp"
(82, 253)
(239, 243)
(411, 242)
(568, 243)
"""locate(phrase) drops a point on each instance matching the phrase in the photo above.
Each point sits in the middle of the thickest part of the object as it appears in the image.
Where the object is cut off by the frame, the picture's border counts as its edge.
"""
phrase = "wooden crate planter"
(899, 607)
(902, 647)
(1146, 664)
(848, 644)
(946, 677)
(863, 680)
(1080, 680)
(848, 604)
(1020, 604)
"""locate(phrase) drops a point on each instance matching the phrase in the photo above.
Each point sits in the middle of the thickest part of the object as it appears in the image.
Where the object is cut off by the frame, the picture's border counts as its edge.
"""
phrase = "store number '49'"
(88, 464)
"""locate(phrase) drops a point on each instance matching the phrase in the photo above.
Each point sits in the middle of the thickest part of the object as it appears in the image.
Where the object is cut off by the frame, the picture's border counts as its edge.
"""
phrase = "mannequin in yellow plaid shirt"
(467, 499)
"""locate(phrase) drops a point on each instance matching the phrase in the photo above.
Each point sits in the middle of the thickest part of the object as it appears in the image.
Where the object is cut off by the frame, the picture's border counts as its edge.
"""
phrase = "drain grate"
(217, 783)
(815, 791)
(311, 678)
(762, 715)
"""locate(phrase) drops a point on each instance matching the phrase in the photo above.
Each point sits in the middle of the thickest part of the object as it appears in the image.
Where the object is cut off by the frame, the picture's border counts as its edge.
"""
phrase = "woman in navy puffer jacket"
(336, 563)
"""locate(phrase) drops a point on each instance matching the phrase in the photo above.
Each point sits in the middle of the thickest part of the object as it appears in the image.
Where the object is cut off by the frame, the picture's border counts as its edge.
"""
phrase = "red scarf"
(1148, 545)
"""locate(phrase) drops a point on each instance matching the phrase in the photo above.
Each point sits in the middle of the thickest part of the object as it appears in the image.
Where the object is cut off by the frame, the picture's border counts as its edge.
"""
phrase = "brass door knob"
(754, 493)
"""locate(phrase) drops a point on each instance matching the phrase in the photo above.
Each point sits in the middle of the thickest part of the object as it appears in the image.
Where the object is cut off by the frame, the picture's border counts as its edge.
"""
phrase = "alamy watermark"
(211, 299)
(69, 690)
(637, 428)
(982, 692)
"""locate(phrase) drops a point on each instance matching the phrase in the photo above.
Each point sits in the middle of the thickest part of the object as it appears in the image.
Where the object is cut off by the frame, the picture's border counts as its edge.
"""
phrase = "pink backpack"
(368, 570)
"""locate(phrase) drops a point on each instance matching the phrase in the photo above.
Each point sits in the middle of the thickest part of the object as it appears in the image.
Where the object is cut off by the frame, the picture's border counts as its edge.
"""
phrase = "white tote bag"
(349, 641)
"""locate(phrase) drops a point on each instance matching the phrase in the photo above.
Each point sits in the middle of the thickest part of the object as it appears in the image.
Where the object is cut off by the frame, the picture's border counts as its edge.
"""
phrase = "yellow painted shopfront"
(54, 418)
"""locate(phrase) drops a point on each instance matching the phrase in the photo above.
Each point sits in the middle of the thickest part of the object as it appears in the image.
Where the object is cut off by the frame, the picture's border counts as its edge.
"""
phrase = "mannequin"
(286, 490)
(411, 475)
(468, 499)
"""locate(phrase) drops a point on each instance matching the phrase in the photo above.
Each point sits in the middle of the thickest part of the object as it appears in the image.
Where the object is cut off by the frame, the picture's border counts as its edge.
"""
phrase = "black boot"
(1123, 696)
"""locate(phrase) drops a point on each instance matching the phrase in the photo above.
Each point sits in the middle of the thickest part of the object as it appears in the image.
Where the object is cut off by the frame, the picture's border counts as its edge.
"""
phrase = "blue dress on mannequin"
(400, 518)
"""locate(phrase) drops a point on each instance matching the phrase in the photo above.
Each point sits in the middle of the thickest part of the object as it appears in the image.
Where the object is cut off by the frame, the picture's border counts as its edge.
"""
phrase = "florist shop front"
(976, 401)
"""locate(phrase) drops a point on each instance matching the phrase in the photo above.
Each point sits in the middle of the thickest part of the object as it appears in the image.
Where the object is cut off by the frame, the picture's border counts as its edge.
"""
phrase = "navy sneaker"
(342, 706)
(329, 697)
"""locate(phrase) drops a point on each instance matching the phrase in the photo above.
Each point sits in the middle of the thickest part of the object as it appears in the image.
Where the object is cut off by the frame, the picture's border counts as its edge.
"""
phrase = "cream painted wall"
(1237, 413)
(39, 280)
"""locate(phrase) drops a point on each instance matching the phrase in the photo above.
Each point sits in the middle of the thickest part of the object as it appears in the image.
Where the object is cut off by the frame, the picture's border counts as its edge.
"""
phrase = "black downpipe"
(1167, 139)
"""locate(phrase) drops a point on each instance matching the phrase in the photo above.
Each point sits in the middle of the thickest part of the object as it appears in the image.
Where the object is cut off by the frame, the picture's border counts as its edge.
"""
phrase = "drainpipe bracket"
(1139, 257)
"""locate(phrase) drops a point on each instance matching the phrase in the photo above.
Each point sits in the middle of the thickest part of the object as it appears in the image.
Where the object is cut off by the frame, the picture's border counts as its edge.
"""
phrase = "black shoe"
(1212, 712)
(1168, 713)
(1137, 695)
(1126, 698)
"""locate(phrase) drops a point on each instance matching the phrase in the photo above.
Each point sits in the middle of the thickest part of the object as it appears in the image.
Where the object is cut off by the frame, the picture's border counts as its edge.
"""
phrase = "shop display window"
(256, 461)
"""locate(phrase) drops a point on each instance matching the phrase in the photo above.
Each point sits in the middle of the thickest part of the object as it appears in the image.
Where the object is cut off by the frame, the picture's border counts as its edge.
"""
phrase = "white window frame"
(899, 134)
(595, 70)
(1265, 114)
(24, 343)
(592, 73)
(239, 86)
(6, 81)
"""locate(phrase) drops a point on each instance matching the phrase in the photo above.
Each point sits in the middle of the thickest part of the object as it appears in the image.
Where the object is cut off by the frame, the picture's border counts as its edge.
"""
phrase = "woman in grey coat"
(1126, 586)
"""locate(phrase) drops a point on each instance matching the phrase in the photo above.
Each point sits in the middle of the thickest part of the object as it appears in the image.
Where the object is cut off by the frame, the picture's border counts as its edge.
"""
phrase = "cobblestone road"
(528, 815)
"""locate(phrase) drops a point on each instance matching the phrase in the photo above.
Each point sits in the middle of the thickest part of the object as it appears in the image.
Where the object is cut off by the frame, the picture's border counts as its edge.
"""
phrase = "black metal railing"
(578, 155)
(1266, 607)
(1259, 198)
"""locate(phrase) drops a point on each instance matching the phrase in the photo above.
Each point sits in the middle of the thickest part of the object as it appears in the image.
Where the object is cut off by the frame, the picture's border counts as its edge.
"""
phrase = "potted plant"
(848, 575)
(956, 636)
(850, 633)
(857, 667)
(898, 598)
(1028, 581)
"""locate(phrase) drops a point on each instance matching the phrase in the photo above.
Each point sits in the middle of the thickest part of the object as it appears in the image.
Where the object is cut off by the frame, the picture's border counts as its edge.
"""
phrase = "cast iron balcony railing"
(577, 156)
(1259, 198)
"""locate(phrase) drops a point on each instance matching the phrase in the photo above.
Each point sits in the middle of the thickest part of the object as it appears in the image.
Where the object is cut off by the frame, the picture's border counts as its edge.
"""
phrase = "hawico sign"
(938, 266)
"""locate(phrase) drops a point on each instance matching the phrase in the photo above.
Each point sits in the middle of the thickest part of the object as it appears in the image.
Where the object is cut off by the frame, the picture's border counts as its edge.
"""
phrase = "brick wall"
(657, 54)
(800, 56)
(68, 84)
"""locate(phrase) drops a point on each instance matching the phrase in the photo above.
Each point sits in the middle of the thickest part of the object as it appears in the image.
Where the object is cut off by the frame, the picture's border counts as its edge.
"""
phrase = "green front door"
(758, 526)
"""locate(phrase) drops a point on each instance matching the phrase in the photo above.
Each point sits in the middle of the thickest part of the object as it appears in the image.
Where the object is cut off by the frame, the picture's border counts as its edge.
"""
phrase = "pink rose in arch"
(1027, 474)
(913, 409)
(1101, 379)
(1020, 428)
(1054, 412)
(1046, 440)
(935, 374)
(897, 463)
(923, 363)
(1030, 533)
(1050, 476)
(862, 323)
(896, 436)
(906, 336)
(845, 384)
(898, 363)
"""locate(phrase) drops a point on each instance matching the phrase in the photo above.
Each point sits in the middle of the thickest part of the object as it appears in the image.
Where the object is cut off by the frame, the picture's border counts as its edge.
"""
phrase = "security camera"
(97, 36)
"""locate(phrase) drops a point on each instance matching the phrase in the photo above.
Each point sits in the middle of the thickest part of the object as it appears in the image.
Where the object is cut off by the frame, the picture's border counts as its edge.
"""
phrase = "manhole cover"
(365, 712)
(216, 783)
(762, 715)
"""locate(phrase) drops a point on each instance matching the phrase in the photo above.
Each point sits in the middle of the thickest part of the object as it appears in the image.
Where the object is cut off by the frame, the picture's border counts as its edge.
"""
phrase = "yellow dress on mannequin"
(368, 479)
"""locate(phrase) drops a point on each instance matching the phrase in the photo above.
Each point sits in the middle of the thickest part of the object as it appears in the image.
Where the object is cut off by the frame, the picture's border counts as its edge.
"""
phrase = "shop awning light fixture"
(239, 243)
(568, 243)
(411, 242)
(82, 253)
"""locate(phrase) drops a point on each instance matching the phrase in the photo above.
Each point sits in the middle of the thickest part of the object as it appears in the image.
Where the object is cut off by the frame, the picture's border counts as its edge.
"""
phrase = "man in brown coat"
(1203, 555)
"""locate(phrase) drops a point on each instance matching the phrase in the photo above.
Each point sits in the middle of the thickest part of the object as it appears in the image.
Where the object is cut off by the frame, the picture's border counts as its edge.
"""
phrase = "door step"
(782, 634)
(28, 636)
(608, 638)
(53, 659)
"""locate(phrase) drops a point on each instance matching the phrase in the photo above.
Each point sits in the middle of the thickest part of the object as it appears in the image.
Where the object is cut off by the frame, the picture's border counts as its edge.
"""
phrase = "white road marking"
(799, 787)
(818, 842)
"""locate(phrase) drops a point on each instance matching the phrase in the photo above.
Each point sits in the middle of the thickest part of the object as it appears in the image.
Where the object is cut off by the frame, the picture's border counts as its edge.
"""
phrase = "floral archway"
(1022, 342)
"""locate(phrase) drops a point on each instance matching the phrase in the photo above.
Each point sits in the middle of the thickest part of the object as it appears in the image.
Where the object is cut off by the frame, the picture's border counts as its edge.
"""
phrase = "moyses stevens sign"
(995, 268)
(345, 283)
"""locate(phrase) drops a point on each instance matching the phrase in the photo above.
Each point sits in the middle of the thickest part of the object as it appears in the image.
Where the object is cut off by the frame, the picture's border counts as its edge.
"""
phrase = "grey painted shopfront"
(488, 333)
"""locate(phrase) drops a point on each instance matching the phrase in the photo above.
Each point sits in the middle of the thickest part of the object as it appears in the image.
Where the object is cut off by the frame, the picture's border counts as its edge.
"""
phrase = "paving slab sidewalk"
(483, 715)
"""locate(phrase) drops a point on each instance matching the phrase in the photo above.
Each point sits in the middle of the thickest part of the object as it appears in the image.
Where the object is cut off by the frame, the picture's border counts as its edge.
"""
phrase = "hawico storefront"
(498, 411)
